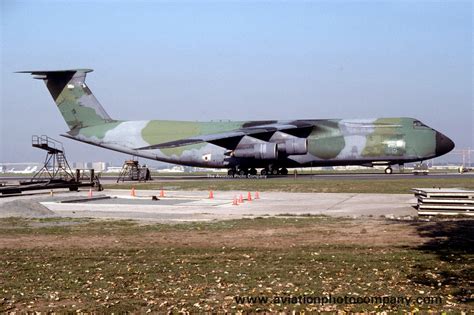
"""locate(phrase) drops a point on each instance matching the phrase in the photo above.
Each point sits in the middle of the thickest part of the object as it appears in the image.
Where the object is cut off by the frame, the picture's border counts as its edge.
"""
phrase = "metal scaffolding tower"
(132, 171)
(55, 165)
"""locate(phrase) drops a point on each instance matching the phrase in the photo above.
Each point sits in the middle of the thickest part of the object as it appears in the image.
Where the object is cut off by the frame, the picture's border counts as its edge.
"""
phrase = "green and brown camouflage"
(273, 145)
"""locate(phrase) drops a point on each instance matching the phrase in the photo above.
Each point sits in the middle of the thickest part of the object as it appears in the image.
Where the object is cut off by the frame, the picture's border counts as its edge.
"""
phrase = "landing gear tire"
(264, 172)
(274, 171)
(242, 172)
(388, 170)
(231, 173)
(284, 171)
(253, 171)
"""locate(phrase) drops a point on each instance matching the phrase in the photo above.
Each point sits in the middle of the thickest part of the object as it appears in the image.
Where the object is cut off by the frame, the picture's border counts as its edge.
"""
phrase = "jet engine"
(264, 151)
(294, 146)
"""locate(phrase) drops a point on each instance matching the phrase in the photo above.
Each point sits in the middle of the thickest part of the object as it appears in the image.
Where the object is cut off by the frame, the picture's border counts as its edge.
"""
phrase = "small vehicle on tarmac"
(421, 169)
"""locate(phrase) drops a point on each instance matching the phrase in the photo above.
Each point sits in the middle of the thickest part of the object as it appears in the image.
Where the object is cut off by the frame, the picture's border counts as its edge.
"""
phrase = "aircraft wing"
(230, 139)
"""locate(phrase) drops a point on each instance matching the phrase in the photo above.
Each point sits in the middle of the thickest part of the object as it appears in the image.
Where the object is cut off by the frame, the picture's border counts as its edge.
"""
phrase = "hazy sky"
(237, 60)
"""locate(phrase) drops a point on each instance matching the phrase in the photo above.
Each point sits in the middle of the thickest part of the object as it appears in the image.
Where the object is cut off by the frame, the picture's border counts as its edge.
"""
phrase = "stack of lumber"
(444, 201)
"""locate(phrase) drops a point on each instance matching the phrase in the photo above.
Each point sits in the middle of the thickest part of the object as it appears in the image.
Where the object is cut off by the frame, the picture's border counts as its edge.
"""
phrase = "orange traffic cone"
(90, 193)
(133, 193)
(249, 196)
(234, 202)
(211, 194)
(241, 199)
(257, 195)
(162, 193)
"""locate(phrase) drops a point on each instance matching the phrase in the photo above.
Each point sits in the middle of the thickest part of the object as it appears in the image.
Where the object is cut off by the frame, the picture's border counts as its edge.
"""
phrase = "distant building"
(354, 167)
(97, 166)
(204, 170)
(113, 169)
(100, 166)
(81, 165)
(174, 169)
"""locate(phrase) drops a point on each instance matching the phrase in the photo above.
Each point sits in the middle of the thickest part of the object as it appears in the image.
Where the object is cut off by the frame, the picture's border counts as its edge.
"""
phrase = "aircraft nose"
(443, 144)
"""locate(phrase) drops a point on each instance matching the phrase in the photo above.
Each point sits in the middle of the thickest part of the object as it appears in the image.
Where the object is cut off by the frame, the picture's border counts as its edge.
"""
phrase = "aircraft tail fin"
(74, 99)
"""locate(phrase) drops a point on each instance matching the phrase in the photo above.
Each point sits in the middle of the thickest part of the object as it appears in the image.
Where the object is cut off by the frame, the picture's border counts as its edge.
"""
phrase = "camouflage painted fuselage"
(331, 142)
(230, 144)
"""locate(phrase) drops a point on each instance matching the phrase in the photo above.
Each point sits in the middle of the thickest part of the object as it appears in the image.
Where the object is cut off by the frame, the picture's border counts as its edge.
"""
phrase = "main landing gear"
(274, 171)
(253, 171)
(242, 172)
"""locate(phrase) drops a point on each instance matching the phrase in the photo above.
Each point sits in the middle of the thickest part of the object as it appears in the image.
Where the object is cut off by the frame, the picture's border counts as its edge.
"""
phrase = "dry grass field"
(53, 265)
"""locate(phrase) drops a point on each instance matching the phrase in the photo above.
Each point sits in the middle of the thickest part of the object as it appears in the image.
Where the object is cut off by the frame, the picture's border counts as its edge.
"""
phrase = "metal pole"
(469, 156)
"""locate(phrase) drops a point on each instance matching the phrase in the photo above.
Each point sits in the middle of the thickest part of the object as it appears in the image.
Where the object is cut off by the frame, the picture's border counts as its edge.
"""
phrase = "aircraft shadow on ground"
(453, 243)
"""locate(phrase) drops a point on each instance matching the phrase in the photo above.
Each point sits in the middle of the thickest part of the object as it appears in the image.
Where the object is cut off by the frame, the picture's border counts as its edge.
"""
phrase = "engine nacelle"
(296, 146)
(261, 151)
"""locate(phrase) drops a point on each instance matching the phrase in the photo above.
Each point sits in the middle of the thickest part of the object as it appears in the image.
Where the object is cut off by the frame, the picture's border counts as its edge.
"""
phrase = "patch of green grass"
(66, 226)
(247, 223)
(13, 222)
(85, 226)
(315, 185)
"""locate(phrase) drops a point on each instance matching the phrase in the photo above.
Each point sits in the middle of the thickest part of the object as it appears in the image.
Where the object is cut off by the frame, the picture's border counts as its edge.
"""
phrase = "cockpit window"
(419, 124)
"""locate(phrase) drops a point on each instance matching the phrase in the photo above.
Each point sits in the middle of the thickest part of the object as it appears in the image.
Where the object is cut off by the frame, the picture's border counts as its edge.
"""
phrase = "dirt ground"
(351, 232)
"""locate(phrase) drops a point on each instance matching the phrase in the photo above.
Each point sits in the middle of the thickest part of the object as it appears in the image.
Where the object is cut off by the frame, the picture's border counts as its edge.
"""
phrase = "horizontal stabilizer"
(53, 72)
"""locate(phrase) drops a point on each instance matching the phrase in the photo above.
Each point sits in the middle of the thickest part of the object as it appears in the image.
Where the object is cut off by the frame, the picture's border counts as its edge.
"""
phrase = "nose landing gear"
(401, 167)
(388, 170)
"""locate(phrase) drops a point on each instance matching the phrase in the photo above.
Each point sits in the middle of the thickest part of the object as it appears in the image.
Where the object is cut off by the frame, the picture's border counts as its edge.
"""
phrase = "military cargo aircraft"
(243, 146)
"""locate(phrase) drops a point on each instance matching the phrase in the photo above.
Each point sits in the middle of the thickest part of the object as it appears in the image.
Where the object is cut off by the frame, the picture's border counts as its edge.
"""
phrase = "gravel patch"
(25, 209)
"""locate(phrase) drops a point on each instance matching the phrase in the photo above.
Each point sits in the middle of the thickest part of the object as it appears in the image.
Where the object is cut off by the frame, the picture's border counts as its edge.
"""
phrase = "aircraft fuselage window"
(419, 124)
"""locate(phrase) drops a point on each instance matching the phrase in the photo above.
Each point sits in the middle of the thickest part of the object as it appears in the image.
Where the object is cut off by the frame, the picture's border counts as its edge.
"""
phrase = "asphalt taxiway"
(334, 176)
